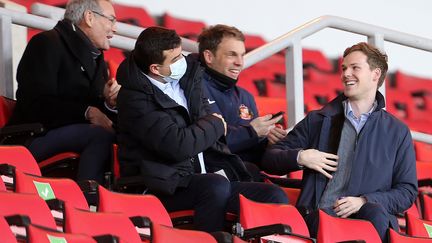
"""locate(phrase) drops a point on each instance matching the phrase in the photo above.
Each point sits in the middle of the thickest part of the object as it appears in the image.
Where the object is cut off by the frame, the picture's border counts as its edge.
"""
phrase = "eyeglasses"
(112, 19)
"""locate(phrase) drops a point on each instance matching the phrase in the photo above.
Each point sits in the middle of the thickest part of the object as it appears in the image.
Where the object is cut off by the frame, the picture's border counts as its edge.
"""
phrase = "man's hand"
(263, 124)
(97, 117)
(276, 134)
(319, 161)
(110, 92)
(223, 120)
(346, 206)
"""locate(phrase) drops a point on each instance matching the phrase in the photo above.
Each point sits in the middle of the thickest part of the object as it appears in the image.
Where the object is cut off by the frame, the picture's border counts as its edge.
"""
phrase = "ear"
(377, 74)
(88, 18)
(154, 69)
(208, 57)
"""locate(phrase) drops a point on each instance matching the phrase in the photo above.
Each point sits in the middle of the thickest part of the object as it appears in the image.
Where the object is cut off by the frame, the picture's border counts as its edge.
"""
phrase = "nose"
(239, 61)
(114, 27)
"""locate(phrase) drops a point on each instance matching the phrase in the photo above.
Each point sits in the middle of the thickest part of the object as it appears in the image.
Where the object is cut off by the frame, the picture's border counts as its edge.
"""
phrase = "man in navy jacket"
(167, 136)
(221, 50)
(358, 160)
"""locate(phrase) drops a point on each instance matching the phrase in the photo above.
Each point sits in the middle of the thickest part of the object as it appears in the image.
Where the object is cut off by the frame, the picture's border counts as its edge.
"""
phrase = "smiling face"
(359, 81)
(100, 26)
(228, 58)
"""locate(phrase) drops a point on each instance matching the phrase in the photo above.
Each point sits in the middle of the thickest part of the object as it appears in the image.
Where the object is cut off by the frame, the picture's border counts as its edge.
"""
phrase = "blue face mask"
(178, 69)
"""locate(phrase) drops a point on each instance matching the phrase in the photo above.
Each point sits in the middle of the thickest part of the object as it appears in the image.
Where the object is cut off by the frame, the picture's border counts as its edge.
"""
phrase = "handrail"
(123, 29)
(126, 35)
(329, 21)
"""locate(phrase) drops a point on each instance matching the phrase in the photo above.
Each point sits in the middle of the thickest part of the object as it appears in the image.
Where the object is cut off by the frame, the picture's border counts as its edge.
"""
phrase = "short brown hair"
(375, 58)
(211, 37)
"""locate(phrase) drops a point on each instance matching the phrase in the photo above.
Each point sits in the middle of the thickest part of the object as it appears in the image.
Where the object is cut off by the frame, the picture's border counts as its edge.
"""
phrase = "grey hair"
(75, 9)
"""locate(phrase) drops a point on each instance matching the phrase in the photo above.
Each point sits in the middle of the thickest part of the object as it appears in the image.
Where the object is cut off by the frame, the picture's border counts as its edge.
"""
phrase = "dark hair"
(211, 37)
(375, 58)
(150, 45)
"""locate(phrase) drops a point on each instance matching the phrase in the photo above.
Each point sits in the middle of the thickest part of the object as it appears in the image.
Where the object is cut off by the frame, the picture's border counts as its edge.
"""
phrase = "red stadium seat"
(30, 205)
(43, 235)
(395, 237)
(6, 234)
(62, 164)
(418, 227)
(254, 214)
(93, 224)
(186, 28)
(333, 229)
(133, 15)
(423, 151)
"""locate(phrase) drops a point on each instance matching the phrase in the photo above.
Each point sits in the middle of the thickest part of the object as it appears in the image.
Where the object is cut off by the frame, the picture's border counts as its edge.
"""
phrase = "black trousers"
(93, 143)
(372, 212)
(212, 195)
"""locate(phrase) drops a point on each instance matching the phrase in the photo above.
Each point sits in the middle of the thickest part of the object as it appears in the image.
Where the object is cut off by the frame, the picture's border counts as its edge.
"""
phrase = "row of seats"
(73, 213)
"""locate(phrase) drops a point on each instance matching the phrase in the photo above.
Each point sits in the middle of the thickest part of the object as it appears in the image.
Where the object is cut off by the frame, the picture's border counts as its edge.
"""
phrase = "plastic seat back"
(161, 234)
(418, 227)
(333, 229)
(254, 214)
(395, 237)
(21, 158)
(133, 205)
(93, 224)
(6, 235)
(30, 205)
(42, 235)
(51, 188)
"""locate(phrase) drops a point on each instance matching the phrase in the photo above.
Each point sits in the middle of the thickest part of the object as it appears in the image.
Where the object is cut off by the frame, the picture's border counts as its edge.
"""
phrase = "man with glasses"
(63, 84)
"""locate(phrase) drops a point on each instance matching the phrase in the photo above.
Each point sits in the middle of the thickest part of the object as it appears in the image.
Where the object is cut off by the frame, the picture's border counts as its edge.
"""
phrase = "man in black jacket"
(167, 137)
(63, 84)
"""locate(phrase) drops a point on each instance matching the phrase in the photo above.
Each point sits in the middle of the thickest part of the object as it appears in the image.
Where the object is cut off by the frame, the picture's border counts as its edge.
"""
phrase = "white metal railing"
(123, 29)
(291, 42)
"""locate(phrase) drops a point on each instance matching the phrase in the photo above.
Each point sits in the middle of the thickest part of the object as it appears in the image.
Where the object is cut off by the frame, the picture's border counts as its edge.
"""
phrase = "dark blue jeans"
(92, 142)
(211, 196)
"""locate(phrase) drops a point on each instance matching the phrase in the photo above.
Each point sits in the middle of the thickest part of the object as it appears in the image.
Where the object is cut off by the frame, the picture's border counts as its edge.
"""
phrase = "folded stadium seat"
(401, 218)
(333, 229)
(411, 83)
(2, 185)
(113, 58)
(133, 15)
(6, 235)
(265, 219)
(418, 227)
(79, 221)
(270, 105)
(149, 206)
(315, 58)
(395, 237)
(401, 104)
(62, 165)
(423, 151)
(332, 80)
(245, 81)
(43, 235)
(29, 205)
(426, 206)
(253, 41)
(19, 157)
(316, 95)
(189, 29)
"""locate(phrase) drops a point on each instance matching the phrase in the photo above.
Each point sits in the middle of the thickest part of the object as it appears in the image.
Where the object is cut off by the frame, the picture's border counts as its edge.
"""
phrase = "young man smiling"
(358, 160)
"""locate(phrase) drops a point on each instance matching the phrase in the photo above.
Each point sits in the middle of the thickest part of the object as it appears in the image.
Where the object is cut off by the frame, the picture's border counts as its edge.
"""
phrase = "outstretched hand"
(319, 161)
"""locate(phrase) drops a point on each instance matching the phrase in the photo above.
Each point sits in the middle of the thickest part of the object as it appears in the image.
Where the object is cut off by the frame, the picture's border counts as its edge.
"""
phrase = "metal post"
(294, 83)
(6, 76)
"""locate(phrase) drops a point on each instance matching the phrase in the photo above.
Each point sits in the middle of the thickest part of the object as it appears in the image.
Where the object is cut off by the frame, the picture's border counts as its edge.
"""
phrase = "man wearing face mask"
(167, 137)
(221, 50)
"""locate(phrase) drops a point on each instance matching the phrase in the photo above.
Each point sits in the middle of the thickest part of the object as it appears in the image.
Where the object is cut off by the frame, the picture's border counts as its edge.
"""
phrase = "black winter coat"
(58, 78)
(160, 140)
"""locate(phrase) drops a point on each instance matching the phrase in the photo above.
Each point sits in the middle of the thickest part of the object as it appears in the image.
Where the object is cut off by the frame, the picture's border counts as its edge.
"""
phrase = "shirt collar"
(349, 112)
(160, 85)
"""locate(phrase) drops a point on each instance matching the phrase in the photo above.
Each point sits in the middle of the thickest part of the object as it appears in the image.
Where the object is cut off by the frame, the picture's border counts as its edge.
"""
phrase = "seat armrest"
(106, 239)
(29, 129)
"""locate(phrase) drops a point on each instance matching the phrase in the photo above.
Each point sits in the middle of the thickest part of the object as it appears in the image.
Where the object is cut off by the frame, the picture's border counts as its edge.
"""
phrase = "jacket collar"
(335, 106)
(80, 46)
(132, 77)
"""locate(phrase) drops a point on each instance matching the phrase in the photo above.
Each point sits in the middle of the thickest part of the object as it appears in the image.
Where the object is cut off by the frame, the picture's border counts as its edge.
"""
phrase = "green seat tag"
(44, 190)
(428, 229)
(55, 239)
